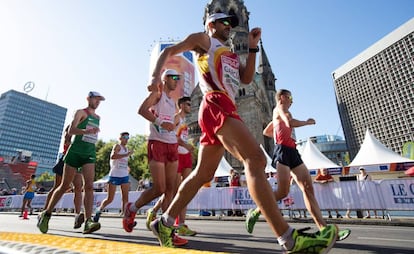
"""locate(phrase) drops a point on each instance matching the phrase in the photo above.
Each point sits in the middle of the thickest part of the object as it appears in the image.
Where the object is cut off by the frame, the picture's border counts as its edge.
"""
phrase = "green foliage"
(45, 177)
(138, 162)
(103, 152)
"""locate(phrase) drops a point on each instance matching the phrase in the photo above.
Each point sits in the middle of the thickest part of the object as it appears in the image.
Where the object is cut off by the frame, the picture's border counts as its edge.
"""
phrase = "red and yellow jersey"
(219, 70)
(182, 133)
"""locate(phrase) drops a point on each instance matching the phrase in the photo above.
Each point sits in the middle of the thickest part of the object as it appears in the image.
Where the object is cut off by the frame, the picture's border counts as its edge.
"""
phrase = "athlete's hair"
(281, 92)
(183, 100)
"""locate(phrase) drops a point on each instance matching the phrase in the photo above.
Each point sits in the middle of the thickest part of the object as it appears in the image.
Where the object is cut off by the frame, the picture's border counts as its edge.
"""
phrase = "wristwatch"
(254, 50)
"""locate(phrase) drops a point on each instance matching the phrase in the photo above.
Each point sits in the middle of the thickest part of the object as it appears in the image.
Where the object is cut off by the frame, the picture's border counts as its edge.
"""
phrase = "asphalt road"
(224, 235)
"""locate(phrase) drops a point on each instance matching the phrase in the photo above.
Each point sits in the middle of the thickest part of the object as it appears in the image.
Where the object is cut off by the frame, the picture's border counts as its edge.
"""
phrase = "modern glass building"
(375, 91)
(30, 128)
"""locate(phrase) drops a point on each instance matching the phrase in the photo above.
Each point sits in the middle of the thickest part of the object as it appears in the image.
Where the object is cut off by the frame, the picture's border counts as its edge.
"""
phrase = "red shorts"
(162, 152)
(184, 161)
(214, 109)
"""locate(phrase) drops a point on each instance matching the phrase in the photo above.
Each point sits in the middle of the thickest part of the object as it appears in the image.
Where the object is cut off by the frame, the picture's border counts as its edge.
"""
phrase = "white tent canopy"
(373, 152)
(223, 168)
(314, 159)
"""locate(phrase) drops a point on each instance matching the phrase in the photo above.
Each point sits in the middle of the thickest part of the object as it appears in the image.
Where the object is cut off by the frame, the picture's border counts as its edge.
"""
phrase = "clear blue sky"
(70, 47)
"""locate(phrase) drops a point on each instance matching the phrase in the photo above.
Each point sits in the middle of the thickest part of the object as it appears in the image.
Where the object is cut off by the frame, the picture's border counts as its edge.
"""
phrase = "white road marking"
(385, 239)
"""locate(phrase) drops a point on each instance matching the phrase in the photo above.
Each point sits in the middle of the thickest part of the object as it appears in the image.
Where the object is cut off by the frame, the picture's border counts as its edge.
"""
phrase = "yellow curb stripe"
(88, 245)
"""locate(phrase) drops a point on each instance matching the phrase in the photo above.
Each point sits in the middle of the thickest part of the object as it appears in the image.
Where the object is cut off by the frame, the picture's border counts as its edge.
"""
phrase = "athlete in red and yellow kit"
(220, 75)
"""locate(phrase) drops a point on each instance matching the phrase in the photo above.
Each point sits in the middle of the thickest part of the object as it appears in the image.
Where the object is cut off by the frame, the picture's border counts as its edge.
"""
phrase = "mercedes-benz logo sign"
(28, 86)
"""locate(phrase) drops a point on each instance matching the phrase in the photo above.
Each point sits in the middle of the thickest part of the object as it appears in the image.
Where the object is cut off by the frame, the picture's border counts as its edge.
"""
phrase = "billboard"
(183, 63)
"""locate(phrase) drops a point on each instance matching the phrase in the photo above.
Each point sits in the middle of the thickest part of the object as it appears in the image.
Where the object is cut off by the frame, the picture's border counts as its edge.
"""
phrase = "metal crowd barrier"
(385, 195)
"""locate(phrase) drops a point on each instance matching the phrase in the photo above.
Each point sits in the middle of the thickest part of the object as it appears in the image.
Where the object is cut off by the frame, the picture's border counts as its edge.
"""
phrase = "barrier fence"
(388, 195)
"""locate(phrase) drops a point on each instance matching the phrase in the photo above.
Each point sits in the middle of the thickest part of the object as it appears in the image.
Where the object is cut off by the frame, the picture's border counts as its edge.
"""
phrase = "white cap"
(215, 16)
(169, 72)
(96, 94)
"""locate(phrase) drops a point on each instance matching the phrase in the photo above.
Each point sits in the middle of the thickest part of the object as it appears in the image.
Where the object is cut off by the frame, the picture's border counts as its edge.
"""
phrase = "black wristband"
(254, 50)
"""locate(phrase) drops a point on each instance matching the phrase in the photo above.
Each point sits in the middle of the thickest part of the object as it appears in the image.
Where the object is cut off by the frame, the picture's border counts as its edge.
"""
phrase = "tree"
(138, 163)
(103, 153)
(45, 177)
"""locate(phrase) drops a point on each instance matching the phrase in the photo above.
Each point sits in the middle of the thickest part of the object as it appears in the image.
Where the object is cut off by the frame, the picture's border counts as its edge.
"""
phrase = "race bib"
(90, 138)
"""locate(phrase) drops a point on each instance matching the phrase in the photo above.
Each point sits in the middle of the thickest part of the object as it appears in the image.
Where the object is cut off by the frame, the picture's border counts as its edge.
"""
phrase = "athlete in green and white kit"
(81, 156)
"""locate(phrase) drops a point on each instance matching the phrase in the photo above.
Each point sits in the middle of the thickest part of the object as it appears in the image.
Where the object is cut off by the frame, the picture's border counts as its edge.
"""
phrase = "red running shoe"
(128, 221)
(178, 241)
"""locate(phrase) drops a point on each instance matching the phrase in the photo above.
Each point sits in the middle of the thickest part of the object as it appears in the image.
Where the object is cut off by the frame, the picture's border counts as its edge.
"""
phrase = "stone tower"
(254, 101)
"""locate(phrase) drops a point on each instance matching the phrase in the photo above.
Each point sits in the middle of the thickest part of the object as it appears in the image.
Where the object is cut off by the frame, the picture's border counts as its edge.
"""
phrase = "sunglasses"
(125, 137)
(289, 97)
(224, 22)
(175, 77)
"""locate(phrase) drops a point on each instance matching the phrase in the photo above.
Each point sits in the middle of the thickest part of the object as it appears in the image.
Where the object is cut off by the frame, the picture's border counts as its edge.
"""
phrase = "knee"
(158, 189)
(257, 163)
(308, 190)
(86, 187)
(204, 178)
(283, 192)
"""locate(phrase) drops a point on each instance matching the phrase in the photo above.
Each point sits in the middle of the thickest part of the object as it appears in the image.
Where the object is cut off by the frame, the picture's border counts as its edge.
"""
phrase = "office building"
(30, 129)
(375, 91)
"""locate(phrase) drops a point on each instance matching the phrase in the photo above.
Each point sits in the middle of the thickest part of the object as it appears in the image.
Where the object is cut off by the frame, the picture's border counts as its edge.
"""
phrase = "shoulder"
(81, 114)
(198, 42)
(200, 37)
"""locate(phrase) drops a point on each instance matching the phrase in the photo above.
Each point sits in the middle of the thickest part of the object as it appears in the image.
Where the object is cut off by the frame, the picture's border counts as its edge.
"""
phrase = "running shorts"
(184, 161)
(162, 152)
(214, 109)
(118, 180)
(58, 168)
(77, 160)
(287, 156)
(29, 195)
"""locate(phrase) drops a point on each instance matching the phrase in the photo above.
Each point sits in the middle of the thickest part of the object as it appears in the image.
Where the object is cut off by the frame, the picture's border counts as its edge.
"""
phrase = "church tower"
(254, 101)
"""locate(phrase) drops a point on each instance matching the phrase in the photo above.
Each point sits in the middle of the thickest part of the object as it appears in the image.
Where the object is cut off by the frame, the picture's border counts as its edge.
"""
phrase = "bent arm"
(144, 109)
(268, 131)
(79, 116)
(246, 72)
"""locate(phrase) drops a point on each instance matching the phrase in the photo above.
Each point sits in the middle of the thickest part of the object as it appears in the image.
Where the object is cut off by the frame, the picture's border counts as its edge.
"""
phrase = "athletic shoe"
(128, 222)
(163, 233)
(184, 230)
(314, 243)
(97, 216)
(251, 219)
(79, 219)
(91, 226)
(178, 241)
(150, 217)
(43, 222)
(343, 234)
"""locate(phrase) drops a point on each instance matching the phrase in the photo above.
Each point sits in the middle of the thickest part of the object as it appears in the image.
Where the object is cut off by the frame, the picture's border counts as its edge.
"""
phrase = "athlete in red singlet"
(288, 162)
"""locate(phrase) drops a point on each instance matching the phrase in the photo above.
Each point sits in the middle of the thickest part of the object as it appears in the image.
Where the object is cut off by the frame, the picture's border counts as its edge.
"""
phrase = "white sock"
(133, 208)
(286, 240)
(167, 220)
